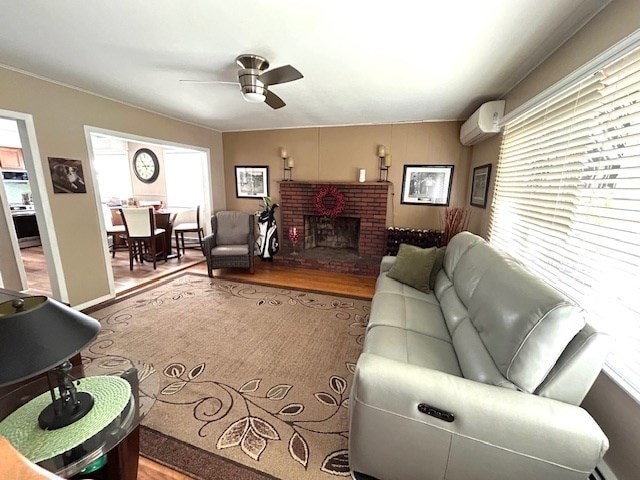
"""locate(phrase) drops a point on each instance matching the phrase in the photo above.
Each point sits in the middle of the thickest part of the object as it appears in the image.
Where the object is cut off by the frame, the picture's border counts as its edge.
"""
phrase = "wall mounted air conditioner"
(484, 123)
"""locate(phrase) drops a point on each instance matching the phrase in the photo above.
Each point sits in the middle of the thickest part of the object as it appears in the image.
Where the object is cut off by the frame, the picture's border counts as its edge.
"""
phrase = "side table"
(120, 440)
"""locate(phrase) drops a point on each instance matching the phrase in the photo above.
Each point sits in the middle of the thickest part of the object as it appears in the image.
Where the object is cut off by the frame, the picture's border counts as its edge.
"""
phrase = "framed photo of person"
(252, 181)
(480, 185)
(427, 185)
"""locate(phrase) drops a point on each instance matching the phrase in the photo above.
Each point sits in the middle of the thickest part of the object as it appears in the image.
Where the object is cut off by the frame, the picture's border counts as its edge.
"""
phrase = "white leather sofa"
(480, 379)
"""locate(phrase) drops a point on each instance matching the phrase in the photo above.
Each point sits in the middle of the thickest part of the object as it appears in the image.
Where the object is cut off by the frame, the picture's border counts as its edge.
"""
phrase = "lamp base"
(60, 414)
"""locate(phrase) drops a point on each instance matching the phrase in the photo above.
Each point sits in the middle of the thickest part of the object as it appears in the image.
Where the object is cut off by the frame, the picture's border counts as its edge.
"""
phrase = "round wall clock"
(146, 165)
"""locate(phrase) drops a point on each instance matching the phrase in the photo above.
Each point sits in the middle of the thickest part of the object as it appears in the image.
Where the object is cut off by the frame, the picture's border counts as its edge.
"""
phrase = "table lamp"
(37, 335)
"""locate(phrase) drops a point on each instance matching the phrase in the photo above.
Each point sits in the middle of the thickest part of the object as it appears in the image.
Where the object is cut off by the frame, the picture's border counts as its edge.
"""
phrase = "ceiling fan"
(254, 79)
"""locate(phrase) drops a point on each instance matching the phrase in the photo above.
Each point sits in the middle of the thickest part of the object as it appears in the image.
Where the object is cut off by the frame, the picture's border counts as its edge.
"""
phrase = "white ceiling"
(363, 62)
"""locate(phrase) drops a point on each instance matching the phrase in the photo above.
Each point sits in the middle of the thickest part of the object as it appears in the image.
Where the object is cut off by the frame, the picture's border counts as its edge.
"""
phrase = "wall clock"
(146, 165)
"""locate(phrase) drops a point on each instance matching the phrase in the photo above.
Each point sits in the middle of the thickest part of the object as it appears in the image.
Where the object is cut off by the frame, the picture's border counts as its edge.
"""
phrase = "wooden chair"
(113, 231)
(141, 230)
(187, 221)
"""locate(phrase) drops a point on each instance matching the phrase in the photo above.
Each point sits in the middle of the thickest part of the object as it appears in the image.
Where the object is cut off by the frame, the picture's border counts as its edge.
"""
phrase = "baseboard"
(603, 472)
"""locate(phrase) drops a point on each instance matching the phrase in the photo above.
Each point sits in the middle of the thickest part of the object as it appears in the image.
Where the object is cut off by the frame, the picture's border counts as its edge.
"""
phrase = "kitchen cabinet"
(11, 158)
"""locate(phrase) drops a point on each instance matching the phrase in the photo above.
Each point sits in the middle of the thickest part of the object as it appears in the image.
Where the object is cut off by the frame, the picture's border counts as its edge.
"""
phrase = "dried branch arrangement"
(456, 220)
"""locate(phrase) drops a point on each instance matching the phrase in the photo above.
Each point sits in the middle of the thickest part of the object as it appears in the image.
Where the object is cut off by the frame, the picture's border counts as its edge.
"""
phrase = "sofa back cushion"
(524, 324)
(232, 228)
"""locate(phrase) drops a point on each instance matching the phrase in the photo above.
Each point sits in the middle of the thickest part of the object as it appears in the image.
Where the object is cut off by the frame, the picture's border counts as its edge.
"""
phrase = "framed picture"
(480, 185)
(427, 184)
(252, 181)
(66, 175)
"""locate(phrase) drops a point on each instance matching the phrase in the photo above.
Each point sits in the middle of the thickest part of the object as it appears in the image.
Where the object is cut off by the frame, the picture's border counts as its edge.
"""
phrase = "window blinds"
(567, 202)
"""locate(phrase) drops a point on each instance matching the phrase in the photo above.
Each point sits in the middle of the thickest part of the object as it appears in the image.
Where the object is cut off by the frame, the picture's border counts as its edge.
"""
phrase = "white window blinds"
(567, 202)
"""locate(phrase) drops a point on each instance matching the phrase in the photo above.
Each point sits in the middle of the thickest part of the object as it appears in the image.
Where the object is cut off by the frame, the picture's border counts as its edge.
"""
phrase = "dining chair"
(187, 221)
(113, 231)
(140, 225)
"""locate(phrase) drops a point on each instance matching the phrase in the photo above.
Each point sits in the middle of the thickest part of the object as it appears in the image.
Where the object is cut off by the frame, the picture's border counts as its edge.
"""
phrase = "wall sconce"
(385, 163)
(287, 164)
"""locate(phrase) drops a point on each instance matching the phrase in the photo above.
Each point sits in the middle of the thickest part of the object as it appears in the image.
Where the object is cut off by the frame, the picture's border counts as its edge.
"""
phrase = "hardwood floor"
(124, 279)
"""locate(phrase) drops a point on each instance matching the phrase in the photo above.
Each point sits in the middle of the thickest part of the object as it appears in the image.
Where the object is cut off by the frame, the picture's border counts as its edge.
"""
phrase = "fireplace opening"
(331, 234)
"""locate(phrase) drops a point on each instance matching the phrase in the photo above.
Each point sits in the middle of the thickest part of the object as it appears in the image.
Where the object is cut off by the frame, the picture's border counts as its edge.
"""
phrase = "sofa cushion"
(230, 250)
(232, 228)
(456, 248)
(413, 266)
(437, 266)
(474, 359)
(524, 323)
(412, 348)
(410, 313)
(385, 284)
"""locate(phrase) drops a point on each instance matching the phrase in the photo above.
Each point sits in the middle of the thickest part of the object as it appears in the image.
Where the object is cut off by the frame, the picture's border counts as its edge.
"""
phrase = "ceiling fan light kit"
(254, 79)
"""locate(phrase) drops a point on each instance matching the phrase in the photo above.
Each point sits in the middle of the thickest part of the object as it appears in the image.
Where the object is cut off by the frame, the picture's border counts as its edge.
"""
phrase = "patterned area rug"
(254, 381)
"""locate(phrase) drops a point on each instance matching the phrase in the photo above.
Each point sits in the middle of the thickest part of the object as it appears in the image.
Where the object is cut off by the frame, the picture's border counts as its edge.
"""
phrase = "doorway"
(29, 258)
(19, 201)
(181, 182)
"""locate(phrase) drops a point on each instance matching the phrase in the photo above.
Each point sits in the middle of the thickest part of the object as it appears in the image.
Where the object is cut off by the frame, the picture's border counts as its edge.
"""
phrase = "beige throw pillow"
(413, 266)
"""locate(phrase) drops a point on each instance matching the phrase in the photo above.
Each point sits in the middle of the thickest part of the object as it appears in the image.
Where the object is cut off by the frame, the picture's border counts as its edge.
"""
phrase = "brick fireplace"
(353, 242)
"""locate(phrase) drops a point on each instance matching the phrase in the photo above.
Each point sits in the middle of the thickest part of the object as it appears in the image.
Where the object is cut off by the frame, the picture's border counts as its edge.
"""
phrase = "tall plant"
(456, 220)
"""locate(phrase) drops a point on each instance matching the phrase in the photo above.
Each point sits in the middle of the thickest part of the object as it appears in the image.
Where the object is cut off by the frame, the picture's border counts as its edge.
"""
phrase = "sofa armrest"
(508, 420)
(386, 263)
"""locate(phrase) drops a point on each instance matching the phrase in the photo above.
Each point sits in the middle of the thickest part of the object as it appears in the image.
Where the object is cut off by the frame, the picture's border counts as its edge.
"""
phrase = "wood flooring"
(265, 273)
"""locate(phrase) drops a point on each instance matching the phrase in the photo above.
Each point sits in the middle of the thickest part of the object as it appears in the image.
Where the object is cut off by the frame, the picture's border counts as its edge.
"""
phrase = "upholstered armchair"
(231, 242)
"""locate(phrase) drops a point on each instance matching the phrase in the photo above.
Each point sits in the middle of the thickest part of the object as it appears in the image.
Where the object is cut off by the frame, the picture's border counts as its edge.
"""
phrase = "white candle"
(361, 177)
(290, 162)
(387, 160)
(283, 153)
(381, 150)
(295, 231)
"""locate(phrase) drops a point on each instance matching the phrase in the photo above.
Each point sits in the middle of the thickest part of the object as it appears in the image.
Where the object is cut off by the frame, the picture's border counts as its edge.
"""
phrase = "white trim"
(13, 237)
(364, 124)
(606, 471)
(130, 137)
(44, 216)
(623, 47)
(101, 220)
(93, 302)
(89, 92)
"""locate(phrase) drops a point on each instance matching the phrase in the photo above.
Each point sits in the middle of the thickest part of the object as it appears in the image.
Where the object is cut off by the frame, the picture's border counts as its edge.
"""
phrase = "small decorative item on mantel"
(293, 236)
(456, 220)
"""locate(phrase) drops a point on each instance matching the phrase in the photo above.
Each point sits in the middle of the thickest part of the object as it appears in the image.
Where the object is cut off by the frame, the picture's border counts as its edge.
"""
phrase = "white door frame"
(36, 171)
(88, 131)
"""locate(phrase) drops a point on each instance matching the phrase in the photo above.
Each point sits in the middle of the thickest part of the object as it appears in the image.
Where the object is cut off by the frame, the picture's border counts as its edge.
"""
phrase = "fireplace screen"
(338, 232)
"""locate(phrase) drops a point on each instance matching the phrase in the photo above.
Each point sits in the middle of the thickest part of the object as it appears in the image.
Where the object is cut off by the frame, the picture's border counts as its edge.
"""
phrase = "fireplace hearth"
(352, 242)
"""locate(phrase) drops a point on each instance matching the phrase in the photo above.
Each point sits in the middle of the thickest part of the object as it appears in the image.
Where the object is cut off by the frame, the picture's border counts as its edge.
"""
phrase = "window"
(567, 202)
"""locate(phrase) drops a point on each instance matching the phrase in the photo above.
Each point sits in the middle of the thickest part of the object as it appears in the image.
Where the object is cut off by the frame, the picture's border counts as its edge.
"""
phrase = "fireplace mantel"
(366, 201)
(321, 182)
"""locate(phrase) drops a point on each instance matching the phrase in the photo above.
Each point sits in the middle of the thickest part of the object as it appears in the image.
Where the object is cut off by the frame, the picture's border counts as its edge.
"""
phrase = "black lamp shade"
(39, 336)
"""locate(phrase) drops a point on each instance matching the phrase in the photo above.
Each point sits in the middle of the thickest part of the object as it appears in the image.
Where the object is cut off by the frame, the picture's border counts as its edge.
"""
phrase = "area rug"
(251, 381)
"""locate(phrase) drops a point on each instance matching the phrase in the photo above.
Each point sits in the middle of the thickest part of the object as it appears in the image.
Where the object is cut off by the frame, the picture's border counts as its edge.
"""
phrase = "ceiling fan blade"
(273, 100)
(208, 82)
(280, 75)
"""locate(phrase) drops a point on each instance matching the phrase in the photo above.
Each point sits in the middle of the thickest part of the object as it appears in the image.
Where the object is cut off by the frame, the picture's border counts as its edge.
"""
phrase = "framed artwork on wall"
(66, 175)
(427, 185)
(480, 185)
(252, 181)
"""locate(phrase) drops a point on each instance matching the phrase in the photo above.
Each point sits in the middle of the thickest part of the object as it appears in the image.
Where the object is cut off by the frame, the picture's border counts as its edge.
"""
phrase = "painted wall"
(335, 154)
(60, 115)
(614, 410)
